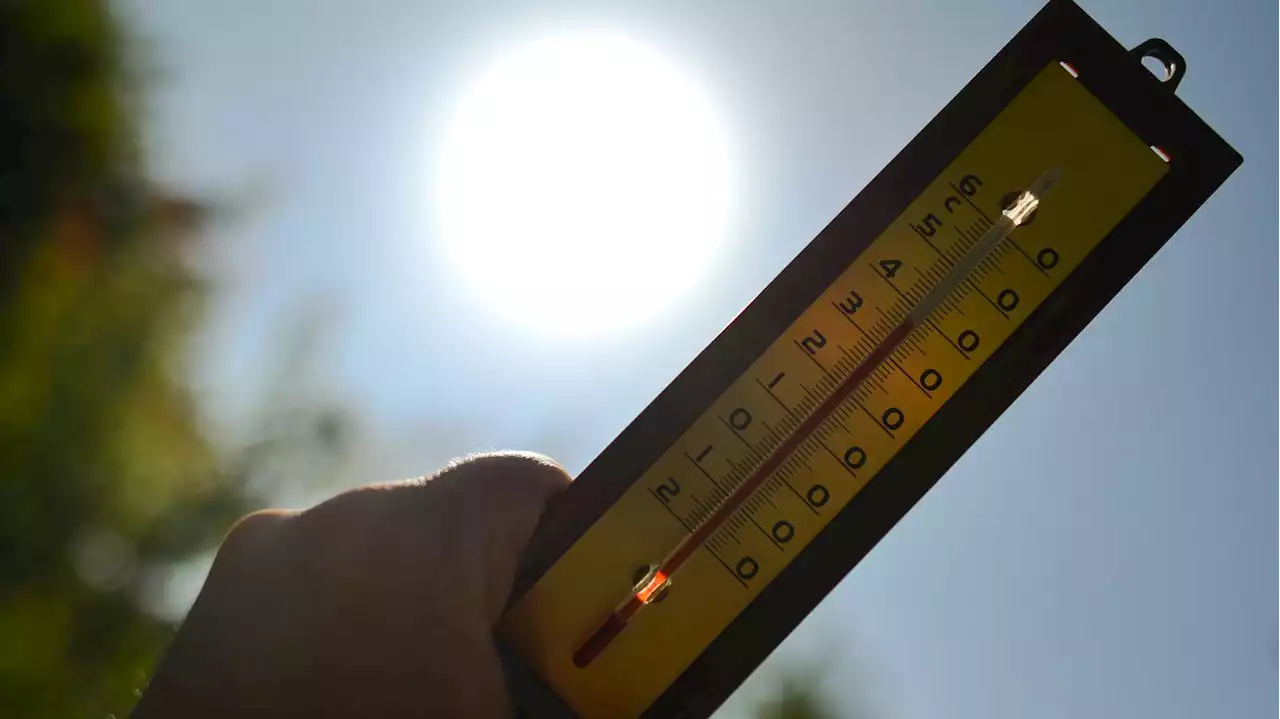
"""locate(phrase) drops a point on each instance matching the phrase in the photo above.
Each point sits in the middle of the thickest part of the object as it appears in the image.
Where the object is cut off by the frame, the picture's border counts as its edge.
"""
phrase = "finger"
(205, 651)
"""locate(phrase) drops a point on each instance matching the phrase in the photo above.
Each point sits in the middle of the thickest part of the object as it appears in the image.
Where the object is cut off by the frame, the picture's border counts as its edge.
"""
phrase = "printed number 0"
(854, 458)
(783, 531)
(817, 495)
(931, 379)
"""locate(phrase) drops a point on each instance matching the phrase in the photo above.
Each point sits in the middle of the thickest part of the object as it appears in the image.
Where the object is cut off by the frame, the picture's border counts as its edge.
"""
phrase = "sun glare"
(584, 185)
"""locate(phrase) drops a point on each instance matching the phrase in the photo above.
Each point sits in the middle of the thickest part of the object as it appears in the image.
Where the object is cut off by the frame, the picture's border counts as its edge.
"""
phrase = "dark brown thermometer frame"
(1061, 31)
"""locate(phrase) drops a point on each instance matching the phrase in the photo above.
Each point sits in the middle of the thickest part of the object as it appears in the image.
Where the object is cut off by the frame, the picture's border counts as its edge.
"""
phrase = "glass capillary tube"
(659, 576)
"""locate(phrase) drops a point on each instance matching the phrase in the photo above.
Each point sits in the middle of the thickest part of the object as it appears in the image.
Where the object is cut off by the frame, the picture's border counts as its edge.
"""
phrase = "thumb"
(500, 498)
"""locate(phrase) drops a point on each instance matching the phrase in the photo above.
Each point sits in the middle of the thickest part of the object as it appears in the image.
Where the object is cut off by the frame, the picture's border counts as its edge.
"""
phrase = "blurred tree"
(798, 694)
(106, 478)
(796, 699)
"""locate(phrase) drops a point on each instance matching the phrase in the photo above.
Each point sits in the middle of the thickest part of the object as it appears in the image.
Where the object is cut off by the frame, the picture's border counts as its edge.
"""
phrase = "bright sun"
(584, 184)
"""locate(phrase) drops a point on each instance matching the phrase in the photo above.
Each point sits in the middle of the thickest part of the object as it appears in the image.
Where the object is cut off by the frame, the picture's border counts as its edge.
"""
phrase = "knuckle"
(254, 530)
(523, 472)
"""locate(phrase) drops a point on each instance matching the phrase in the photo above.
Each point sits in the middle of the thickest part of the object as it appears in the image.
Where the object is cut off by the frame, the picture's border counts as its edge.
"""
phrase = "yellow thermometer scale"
(768, 468)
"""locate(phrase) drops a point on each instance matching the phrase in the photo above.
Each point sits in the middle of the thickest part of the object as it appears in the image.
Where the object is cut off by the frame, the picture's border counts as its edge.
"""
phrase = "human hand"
(378, 602)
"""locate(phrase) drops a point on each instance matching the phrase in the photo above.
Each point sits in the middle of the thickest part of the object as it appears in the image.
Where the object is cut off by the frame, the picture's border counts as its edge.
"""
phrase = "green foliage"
(798, 696)
(105, 477)
(63, 128)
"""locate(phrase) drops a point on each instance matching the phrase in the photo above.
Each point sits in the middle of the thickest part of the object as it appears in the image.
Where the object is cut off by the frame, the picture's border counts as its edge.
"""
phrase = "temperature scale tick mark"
(799, 446)
(767, 534)
(719, 489)
(990, 301)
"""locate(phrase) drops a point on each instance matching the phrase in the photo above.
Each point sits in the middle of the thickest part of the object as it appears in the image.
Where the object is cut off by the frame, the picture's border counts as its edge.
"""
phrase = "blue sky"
(1106, 549)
